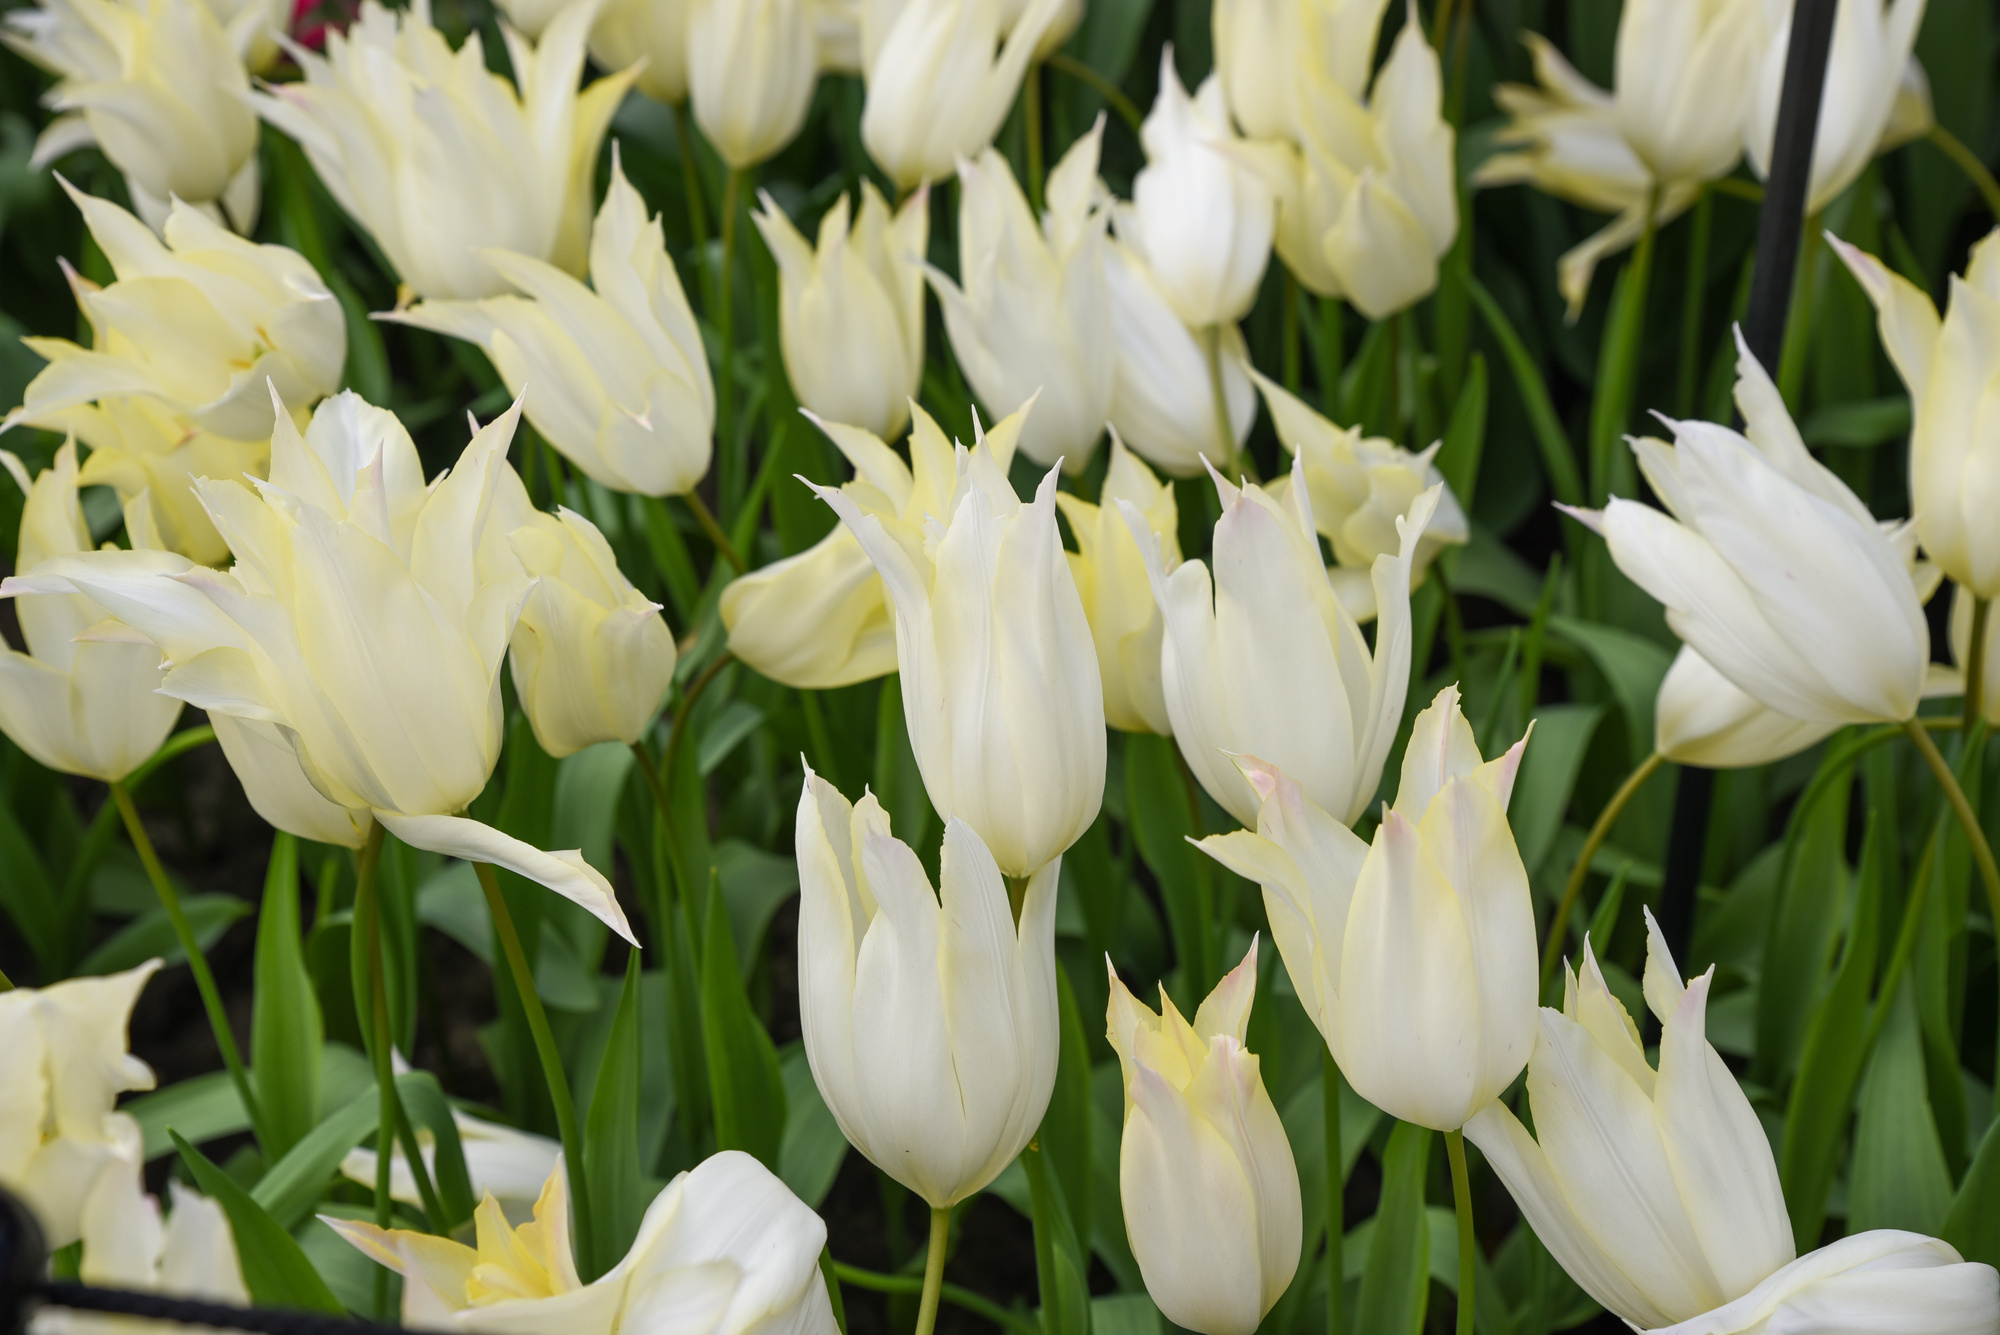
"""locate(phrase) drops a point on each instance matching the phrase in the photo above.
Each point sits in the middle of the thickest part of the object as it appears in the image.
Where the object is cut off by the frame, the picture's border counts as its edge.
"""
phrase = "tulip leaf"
(1805, 925)
(1465, 436)
(1547, 778)
(286, 1033)
(899, 785)
(1395, 1286)
(428, 1109)
(275, 1271)
(814, 1147)
(746, 1085)
(611, 1133)
(1060, 1265)
(1632, 665)
(151, 935)
(1973, 1225)
(1160, 808)
(1065, 1130)
(29, 895)
(1898, 1177)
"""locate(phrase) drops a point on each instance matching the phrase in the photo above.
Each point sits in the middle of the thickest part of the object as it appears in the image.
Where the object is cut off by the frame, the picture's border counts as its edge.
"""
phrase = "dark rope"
(192, 1312)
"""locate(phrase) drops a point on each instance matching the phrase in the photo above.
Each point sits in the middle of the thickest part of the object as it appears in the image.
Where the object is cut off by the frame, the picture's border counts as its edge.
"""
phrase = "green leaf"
(151, 935)
(286, 1034)
(813, 1149)
(1859, 425)
(428, 1110)
(206, 1107)
(275, 1271)
(1558, 458)
(1898, 1178)
(1157, 809)
(754, 883)
(1465, 437)
(1065, 1130)
(611, 1132)
(1060, 1267)
(1548, 777)
(1632, 665)
(1395, 1287)
(746, 1086)
(1973, 1225)
(290, 1186)
(738, 719)
(899, 785)
(1804, 928)
(29, 896)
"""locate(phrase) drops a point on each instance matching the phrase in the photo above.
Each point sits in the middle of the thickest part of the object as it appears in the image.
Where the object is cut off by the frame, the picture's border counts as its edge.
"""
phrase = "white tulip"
(1882, 1282)
(1686, 77)
(751, 69)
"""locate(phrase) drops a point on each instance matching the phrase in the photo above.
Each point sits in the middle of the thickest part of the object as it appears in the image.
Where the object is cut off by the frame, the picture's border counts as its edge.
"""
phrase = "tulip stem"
(927, 1307)
(725, 317)
(691, 179)
(704, 516)
(1113, 95)
(1982, 851)
(1336, 1196)
(1968, 162)
(1688, 374)
(1599, 831)
(1225, 435)
(6, 983)
(552, 1067)
(1031, 125)
(204, 979)
(1975, 664)
(1461, 1198)
(951, 1293)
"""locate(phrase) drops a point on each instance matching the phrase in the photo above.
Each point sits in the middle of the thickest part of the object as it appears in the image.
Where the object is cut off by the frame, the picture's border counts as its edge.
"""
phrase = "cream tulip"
(1952, 374)
(1360, 485)
(1959, 633)
(1110, 574)
(441, 159)
(999, 672)
(360, 623)
(1067, 19)
(1656, 1190)
(751, 68)
(1205, 1172)
(81, 700)
(820, 618)
(628, 32)
(1686, 74)
(1264, 659)
(1700, 717)
(1772, 569)
(1033, 319)
(851, 311)
(930, 1022)
(160, 87)
(509, 1165)
(1259, 42)
(724, 1248)
(614, 375)
(1882, 1282)
(1414, 956)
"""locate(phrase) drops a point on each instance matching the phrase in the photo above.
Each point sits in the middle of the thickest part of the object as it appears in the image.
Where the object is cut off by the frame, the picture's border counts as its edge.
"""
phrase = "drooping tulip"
(751, 68)
(1881, 1282)
(1263, 659)
(1700, 717)
(999, 672)
(1033, 319)
(929, 1016)
(1205, 1172)
(1415, 955)
(359, 624)
(851, 310)
(441, 159)
(614, 375)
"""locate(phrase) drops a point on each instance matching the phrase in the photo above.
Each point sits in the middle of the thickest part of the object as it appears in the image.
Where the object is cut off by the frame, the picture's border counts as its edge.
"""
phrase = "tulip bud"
(999, 672)
(751, 67)
(931, 1027)
(1238, 651)
(1110, 574)
(851, 312)
(1951, 374)
(1200, 217)
(654, 31)
(1882, 1282)
(81, 700)
(1686, 77)
(620, 380)
(1360, 486)
(160, 87)
(1033, 319)
(1263, 48)
(1415, 956)
(438, 158)
(1205, 1173)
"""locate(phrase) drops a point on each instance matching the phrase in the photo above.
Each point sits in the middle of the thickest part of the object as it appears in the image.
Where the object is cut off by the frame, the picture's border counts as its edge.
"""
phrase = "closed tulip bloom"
(1882, 1282)
(1067, 19)
(1686, 74)
(999, 672)
(1263, 46)
(751, 67)
(160, 87)
(614, 375)
(1702, 718)
(1110, 574)
(724, 1249)
(1033, 319)
(654, 31)
(1772, 569)
(1952, 374)
(1264, 659)
(440, 159)
(1415, 955)
(929, 1016)
(851, 310)
(1205, 1172)
(360, 623)
(81, 700)
(820, 618)
(1360, 486)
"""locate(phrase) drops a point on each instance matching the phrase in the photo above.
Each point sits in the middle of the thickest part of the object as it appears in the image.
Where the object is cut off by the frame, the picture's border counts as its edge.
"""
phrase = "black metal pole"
(1780, 225)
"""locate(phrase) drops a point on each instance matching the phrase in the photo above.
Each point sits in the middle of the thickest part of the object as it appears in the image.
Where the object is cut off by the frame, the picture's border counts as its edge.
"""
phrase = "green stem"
(1599, 831)
(1225, 436)
(1975, 664)
(821, 739)
(706, 518)
(1289, 332)
(1331, 355)
(725, 314)
(1798, 329)
(1336, 1196)
(1441, 25)
(1203, 964)
(877, 1282)
(204, 979)
(1611, 408)
(1689, 377)
(691, 179)
(1906, 945)
(933, 1270)
(1114, 96)
(1982, 851)
(1461, 1198)
(552, 1067)
(1031, 124)
(1969, 163)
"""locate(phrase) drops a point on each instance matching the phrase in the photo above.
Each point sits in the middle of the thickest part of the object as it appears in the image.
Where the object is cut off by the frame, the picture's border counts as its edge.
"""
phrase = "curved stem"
(933, 1270)
(1461, 1199)
(951, 1293)
(1097, 83)
(1975, 664)
(204, 979)
(1225, 435)
(706, 518)
(688, 702)
(1982, 851)
(1599, 832)
(1969, 163)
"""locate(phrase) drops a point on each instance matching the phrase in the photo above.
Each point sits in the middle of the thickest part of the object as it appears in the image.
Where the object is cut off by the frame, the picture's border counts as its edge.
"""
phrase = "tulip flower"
(508, 1165)
(628, 32)
(359, 625)
(1702, 718)
(937, 91)
(724, 1244)
(1360, 485)
(1068, 17)
(1693, 1217)
(1110, 574)
(81, 700)
(851, 311)
(1772, 569)
(1414, 956)
(1959, 634)
(931, 1026)
(999, 671)
(1951, 373)
(203, 325)
(1686, 75)
(1162, 393)
(1033, 320)
(440, 159)
(160, 87)
(1264, 659)
(1201, 218)
(751, 67)
(62, 1068)
(620, 382)
(1882, 1282)
(1262, 47)
(820, 619)
(1205, 1173)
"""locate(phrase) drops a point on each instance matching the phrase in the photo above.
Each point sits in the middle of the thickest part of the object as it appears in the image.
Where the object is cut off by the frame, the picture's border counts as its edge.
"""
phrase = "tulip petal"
(564, 872)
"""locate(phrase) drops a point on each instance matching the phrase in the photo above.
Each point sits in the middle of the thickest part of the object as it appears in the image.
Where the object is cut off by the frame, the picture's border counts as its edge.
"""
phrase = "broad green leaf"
(1898, 1177)
(206, 1107)
(611, 1133)
(29, 896)
(1973, 1224)
(1126, 1314)
(1065, 1130)
(1061, 1269)
(151, 935)
(1805, 926)
(1547, 778)
(813, 1149)
(747, 1089)
(1632, 665)
(754, 883)
(1395, 1286)
(290, 1186)
(275, 1271)
(588, 785)
(1159, 810)
(1465, 437)
(738, 719)
(430, 1113)
(286, 1034)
